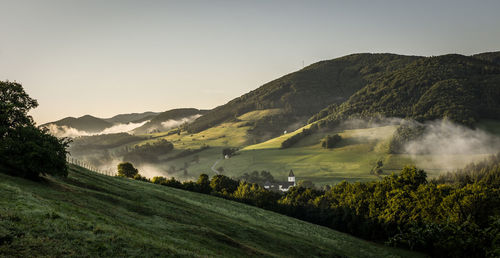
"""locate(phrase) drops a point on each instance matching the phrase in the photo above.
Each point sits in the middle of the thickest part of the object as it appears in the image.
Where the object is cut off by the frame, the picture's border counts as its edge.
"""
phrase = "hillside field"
(88, 214)
(352, 160)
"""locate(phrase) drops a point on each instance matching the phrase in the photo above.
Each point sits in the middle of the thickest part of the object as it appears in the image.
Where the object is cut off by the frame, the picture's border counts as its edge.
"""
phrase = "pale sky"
(108, 57)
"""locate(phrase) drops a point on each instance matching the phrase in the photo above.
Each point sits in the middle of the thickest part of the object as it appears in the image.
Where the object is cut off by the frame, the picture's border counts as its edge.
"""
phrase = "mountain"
(85, 123)
(303, 93)
(88, 214)
(463, 89)
(132, 118)
(170, 119)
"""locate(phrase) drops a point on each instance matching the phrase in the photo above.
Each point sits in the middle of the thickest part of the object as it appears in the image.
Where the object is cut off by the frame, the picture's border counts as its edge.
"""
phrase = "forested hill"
(85, 123)
(493, 57)
(132, 117)
(460, 88)
(92, 124)
(177, 116)
(305, 92)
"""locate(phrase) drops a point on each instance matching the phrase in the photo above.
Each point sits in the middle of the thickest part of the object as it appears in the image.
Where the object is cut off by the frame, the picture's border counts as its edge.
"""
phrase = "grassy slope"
(89, 214)
(352, 160)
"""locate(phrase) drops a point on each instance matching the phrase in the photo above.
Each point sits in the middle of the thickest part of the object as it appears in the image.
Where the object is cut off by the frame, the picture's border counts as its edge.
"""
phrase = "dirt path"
(213, 167)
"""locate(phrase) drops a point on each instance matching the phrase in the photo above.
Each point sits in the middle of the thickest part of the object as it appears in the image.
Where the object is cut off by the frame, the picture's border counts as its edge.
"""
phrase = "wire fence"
(83, 164)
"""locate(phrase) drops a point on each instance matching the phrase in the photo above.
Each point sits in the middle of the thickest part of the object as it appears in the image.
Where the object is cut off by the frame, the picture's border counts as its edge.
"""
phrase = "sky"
(109, 57)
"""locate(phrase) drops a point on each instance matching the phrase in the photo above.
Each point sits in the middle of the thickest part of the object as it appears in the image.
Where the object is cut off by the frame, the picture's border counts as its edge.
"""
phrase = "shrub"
(126, 169)
(330, 141)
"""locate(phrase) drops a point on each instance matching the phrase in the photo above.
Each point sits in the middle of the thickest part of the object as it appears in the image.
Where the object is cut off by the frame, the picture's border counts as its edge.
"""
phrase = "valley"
(250, 129)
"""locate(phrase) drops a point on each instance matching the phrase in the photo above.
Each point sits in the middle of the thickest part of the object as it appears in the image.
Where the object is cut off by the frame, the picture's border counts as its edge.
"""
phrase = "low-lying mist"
(442, 146)
(65, 131)
(145, 169)
(446, 145)
(169, 124)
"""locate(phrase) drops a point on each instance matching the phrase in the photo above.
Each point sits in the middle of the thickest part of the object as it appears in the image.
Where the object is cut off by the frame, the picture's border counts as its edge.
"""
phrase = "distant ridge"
(85, 123)
(92, 124)
(132, 117)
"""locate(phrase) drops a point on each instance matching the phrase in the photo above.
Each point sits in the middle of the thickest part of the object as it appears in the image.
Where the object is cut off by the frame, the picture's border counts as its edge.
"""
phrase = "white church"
(282, 186)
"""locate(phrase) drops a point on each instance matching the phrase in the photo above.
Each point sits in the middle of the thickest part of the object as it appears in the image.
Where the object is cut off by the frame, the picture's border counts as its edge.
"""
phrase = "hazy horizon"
(106, 58)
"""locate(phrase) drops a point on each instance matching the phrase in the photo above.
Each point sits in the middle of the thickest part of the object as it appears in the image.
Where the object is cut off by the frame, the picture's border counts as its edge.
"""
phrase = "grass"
(228, 134)
(352, 160)
(89, 214)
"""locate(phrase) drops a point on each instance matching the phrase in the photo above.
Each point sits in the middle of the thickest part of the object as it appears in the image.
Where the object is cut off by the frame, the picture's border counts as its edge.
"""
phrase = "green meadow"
(352, 159)
(92, 215)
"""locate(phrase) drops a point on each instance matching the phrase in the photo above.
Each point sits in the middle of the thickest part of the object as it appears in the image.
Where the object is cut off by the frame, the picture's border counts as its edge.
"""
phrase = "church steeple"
(291, 177)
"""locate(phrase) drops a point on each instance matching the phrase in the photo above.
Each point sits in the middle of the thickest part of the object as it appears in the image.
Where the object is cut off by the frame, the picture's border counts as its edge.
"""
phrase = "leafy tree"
(306, 184)
(29, 152)
(255, 177)
(26, 150)
(228, 151)
(203, 183)
(330, 141)
(158, 180)
(126, 169)
(223, 184)
(14, 106)
(140, 178)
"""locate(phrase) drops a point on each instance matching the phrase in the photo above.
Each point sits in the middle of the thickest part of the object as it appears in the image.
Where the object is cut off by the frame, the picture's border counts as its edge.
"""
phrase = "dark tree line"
(452, 216)
(292, 140)
(149, 152)
(258, 178)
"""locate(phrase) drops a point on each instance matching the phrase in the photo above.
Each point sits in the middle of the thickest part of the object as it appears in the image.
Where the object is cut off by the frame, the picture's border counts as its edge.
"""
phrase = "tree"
(25, 150)
(330, 141)
(14, 106)
(29, 152)
(203, 183)
(140, 178)
(306, 184)
(228, 152)
(223, 184)
(126, 169)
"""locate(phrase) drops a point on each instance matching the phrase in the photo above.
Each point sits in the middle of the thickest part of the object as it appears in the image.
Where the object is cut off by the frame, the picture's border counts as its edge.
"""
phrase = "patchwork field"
(352, 160)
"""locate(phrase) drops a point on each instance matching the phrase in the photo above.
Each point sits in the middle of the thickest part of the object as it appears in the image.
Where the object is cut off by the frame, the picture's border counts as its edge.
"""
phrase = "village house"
(281, 186)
